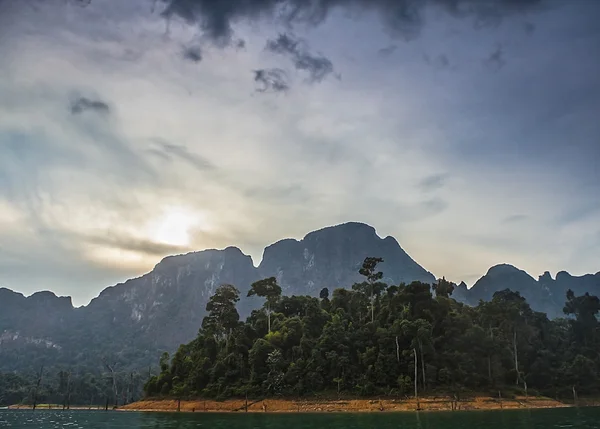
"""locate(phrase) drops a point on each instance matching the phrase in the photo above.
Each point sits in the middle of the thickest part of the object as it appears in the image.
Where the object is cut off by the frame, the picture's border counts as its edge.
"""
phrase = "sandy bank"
(349, 405)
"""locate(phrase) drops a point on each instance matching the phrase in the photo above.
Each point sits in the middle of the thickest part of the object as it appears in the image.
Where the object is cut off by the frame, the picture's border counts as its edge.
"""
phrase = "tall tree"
(270, 290)
(222, 316)
(368, 270)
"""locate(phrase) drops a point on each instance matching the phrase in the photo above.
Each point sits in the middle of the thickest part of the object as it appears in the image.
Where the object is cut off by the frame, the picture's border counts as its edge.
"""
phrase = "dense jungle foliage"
(66, 388)
(368, 340)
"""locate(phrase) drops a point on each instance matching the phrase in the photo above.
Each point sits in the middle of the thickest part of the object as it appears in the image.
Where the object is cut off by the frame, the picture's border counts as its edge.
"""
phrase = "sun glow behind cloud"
(174, 226)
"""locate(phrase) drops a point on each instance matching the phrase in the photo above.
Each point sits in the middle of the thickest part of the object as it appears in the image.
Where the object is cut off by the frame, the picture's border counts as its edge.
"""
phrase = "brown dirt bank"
(349, 405)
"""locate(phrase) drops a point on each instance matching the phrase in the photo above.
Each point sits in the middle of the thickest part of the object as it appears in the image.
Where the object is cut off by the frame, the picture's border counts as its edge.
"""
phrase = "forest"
(377, 339)
(67, 387)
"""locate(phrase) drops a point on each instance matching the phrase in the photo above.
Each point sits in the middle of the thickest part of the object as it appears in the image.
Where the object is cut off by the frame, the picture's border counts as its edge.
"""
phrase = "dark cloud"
(317, 66)
(516, 218)
(84, 104)
(271, 80)
(440, 62)
(433, 182)
(403, 17)
(168, 151)
(133, 244)
(387, 51)
(496, 59)
(192, 53)
(240, 44)
(433, 206)
(529, 28)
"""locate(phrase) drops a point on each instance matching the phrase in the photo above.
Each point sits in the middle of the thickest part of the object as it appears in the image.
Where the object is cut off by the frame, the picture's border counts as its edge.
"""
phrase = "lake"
(571, 418)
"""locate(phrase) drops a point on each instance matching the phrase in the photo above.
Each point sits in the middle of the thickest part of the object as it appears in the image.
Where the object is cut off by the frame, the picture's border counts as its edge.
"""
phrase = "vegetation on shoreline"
(61, 388)
(388, 340)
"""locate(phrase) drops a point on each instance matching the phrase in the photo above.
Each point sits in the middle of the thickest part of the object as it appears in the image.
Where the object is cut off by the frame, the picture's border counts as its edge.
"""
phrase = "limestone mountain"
(331, 257)
(545, 294)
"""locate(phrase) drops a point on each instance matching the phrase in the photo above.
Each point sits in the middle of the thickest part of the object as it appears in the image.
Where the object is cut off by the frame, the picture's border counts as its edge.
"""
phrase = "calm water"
(583, 418)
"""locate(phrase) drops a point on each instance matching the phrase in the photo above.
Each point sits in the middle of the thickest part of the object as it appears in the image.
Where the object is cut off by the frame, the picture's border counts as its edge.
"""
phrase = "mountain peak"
(503, 269)
(351, 228)
(562, 275)
(332, 256)
(200, 257)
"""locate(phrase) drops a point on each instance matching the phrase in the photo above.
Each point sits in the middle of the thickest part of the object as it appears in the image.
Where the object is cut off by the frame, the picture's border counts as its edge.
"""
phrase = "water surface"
(566, 418)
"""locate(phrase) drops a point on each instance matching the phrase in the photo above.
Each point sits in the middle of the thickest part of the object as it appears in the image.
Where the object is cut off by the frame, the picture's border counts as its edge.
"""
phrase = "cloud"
(404, 17)
(387, 51)
(495, 61)
(291, 193)
(529, 28)
(83, 104)
(81, 195)
(516, 218)
(168, 151)
(433, 182)
(271, 80)
(317, 66)
(192, 53)
(439, 62)
(133, 244)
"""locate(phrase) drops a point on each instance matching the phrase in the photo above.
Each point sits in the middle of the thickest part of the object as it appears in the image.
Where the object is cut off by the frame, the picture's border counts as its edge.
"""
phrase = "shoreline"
(344, 405)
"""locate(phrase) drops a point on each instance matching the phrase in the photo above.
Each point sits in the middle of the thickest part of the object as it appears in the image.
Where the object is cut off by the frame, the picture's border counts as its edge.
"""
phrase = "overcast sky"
(131, 130)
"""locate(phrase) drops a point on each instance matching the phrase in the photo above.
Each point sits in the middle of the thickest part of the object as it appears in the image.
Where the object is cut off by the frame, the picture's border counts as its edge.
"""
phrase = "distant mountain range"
(135, 321)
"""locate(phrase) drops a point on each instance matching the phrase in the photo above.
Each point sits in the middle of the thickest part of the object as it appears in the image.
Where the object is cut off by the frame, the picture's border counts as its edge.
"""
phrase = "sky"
(134, 130)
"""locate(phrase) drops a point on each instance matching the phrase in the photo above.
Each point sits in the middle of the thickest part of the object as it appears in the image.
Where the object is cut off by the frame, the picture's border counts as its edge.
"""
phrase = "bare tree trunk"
(516, 357)
(372, 305)
(129, 386)
(525, 386)
(422, 364)
(416, 376)
(490, 361)
(67, 397)
(269, 316)
(111, 368)
(37, 386)
(397, 350)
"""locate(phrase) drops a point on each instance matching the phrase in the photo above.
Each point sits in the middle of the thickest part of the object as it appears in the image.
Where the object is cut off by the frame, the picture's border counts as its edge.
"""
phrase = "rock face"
(164, 308)
(331, 257)
(37, 315)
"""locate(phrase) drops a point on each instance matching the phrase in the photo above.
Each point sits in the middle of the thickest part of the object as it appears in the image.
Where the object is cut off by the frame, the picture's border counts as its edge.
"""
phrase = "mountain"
(165, 307)
(545, 294)
(331, 257)
(138, 319)
(135, 321)
(506, 276)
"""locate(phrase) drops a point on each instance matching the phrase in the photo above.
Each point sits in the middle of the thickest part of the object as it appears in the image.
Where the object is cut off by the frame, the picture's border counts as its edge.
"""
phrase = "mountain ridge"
(161, 309)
